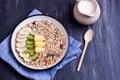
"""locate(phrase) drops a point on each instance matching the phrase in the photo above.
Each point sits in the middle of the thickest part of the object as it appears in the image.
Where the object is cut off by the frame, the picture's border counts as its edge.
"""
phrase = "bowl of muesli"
(39, 42)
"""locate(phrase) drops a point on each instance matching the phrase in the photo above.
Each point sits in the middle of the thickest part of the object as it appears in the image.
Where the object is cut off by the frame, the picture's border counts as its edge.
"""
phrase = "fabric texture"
(48, 74)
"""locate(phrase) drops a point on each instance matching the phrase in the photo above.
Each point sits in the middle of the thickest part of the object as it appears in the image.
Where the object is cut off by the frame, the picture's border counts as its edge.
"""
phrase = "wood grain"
(102, 57)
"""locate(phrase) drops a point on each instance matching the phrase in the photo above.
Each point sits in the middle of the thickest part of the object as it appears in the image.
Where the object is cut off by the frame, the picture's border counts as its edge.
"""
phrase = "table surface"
(102, 57)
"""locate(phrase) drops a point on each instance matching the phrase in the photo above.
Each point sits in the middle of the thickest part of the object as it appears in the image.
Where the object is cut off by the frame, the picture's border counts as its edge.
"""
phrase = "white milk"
(86, 7)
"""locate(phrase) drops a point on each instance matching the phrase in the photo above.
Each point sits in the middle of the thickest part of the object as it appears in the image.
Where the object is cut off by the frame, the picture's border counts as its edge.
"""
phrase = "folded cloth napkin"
(48, 74)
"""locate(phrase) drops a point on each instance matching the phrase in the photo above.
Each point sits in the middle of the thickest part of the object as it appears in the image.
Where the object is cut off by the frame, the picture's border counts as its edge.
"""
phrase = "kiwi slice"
(32, 53)
(30, 46)
(28, 51)
(33, 57)
(30, 42)
(30, 37)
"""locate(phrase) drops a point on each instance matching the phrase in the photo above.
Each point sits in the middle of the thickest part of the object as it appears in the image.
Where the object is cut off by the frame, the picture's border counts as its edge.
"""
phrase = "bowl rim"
(64, 32)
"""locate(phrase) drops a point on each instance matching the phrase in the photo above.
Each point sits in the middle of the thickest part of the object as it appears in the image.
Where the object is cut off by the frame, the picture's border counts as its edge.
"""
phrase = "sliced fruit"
(30, 37)
(21, 44)
(38, 37)
(28, 29)
(21, 39)
(27, 59)
(33, 57)
(21, 36)
(28, 51)
(32, 53)
(39, 49)
(23, 32)
(30, 42)
(40, 44)
(30, 46)
(23, 55)
(22, 49)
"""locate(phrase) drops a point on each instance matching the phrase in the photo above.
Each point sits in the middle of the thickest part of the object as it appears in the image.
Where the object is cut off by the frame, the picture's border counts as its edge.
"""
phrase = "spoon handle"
(82, 56)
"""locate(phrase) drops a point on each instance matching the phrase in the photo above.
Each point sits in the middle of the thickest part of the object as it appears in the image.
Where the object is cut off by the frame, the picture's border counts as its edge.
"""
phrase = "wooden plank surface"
(103, 54)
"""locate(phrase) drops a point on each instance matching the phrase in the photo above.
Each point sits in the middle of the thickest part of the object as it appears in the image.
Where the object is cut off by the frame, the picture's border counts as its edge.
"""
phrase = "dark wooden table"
(102, 59)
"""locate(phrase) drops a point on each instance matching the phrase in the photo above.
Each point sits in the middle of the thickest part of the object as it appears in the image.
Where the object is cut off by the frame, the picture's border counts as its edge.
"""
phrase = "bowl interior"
(31, 19)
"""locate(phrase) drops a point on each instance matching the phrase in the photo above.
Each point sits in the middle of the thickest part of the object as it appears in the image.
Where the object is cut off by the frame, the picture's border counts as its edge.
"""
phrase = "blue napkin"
(48, 74)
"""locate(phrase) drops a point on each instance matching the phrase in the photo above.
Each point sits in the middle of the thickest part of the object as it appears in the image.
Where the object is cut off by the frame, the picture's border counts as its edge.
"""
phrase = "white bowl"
(35, 18)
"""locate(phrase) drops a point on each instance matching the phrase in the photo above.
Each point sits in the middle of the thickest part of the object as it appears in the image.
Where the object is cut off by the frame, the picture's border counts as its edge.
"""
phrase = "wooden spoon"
(88, 37)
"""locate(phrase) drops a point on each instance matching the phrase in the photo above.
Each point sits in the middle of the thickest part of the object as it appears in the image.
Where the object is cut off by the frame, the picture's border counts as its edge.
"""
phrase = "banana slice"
(22, 49)
(28, 29)
(23, 55)
(22, 36)
(23, 32)
(27, 59)
(21, 39)
(21, 44)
